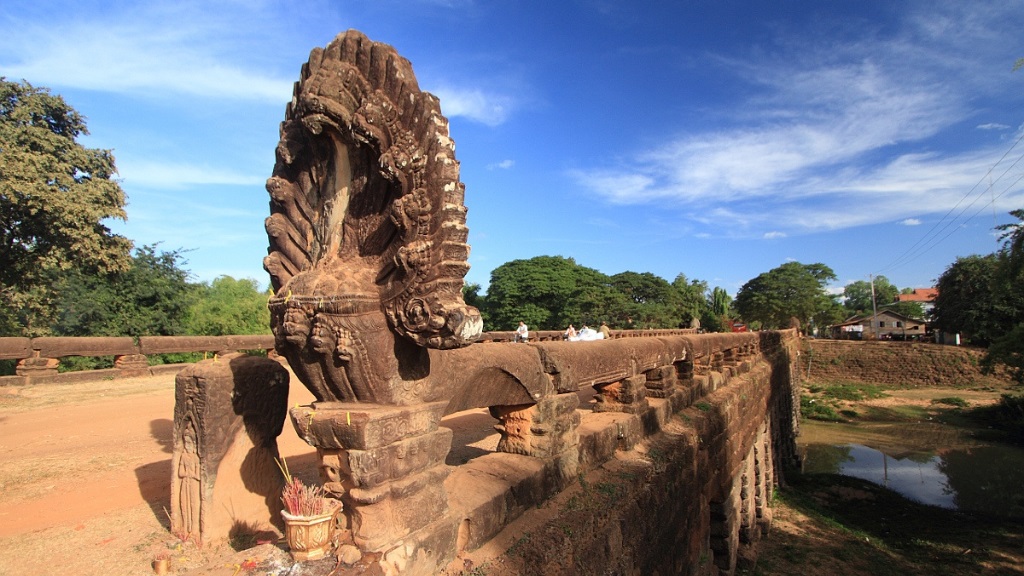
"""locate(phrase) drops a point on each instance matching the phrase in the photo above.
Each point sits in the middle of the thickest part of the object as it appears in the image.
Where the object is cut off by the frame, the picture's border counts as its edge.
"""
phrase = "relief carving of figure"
(188, 483)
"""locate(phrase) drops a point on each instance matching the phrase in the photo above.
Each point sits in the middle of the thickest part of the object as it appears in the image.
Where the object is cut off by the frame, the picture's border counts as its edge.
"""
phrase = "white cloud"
(911, 222)
(503, 165)
(491, 109)
(831, 138)
(154, 51)
(774, 235)
(170, 176)
(993, 126)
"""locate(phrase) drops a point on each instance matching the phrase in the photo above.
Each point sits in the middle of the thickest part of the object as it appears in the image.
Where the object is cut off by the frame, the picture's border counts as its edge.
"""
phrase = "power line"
(931, 238)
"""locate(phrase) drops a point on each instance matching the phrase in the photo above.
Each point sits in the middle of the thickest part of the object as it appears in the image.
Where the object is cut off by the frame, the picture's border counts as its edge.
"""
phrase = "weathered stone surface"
(174, 344)
(373, 467)
(15, 348)
(574, 365)
(340, 425)
(55, 347)
(32, 367)
(482, 376)
(228, 413)
(132, 364)
(627, 395)
(661, 381)
(367, 228)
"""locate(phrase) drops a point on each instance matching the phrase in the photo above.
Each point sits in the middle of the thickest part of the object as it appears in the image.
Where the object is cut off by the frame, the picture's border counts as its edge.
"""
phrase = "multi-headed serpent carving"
(367, 228)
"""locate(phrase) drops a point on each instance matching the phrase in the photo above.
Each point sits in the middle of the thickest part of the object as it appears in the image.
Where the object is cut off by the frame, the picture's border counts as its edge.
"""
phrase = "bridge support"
(386, 464)
(547, 430)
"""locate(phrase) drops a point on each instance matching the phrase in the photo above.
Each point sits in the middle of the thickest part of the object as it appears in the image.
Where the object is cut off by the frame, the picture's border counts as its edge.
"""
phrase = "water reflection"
(918, 478)
(966, 475)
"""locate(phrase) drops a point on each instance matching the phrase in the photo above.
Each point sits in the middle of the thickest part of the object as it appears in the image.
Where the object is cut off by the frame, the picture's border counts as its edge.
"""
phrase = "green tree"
(859, 297)
(1013, 243)
(693, 302)
(966, 299)
(549, 293)
(792, 290)
(909, 309)
(151, 298)
(1008, 309)
(227, 306)
(717, 311)
(653, 302)
(55, 195)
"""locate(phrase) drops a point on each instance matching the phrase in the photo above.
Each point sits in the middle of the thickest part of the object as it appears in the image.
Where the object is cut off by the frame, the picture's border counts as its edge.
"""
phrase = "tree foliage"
(792, 290)
(551, 292)
(859, 299)
(151, 298)
(548, 293)
(228, 306)
(1008, 346)
(55, 195)
(651, 301)
(966, 299)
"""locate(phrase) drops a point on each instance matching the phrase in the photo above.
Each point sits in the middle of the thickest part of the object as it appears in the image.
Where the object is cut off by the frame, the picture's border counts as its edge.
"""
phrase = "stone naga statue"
(367, 229)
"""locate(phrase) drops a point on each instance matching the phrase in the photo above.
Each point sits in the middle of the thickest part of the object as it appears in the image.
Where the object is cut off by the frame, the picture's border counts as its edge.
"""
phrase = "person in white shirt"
(522, 333)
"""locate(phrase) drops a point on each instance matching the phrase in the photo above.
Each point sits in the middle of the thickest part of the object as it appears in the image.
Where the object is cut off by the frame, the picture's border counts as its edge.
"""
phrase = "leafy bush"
(1009, 415)
(815, 410)
(952, 401)
(853, 391)
(77, 363)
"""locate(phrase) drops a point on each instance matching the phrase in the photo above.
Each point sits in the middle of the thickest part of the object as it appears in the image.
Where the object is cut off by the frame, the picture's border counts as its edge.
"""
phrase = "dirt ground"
(85, 477)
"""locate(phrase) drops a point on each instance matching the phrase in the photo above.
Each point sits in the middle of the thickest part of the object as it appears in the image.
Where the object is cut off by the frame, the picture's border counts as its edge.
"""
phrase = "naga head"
(368, 223)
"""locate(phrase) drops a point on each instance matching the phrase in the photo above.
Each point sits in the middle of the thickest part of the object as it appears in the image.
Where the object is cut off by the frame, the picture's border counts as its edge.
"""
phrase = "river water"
(927, 462)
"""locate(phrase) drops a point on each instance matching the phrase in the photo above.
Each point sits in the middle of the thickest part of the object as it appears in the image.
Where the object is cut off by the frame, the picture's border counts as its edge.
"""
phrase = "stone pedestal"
(661, 381)
(386, 463)
(628, 395)
(228, 413)
(548, 430)
(132, 364)
(38, 366)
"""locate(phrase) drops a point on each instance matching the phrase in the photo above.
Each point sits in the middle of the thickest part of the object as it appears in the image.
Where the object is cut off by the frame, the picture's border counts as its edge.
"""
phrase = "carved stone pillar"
(548, 430)
(228, 413)
(36, 367)
(717, 361)
(628, 395)
(386, 463)
(132, 364)
(661, 381)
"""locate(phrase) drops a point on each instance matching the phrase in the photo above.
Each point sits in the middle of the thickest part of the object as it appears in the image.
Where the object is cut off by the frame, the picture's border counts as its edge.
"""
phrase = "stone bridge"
(660, 451)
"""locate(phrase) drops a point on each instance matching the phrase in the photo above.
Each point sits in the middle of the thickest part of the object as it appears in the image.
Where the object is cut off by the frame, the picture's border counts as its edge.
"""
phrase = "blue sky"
(714, 138)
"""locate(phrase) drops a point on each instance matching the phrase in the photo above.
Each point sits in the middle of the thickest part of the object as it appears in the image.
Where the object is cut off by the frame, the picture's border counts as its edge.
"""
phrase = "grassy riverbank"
(832, 524)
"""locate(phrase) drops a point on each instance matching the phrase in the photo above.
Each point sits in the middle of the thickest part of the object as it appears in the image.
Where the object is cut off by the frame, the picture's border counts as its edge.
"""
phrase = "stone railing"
(38, 357)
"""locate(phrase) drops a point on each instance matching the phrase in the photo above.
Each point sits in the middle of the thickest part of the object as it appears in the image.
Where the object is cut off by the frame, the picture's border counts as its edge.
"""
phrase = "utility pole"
(874, 308)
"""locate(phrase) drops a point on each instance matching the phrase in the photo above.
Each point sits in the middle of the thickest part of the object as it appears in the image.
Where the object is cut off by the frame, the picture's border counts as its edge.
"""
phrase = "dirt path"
(85, 475)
